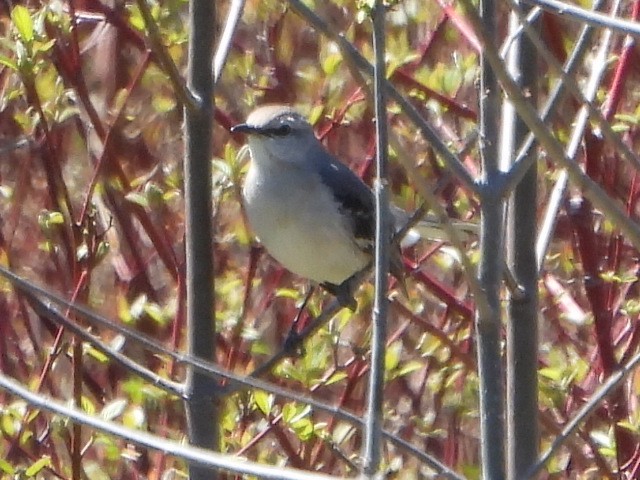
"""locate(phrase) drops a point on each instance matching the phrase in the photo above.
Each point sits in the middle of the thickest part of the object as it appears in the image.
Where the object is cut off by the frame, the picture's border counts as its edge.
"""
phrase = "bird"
(311, 212)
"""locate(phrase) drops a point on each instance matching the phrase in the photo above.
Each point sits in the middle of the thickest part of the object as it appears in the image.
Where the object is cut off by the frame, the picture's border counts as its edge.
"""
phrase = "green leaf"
(551, 373)
(451, 81)
(6, 467)
(38, 466)
(96, 470)
(287, 293)
(628, 426)
(260, 348)
(303, 429)
(336, 377)
(135, 18)
(7, 62)
(263, 401)
(134, 417)
(409, 367)
(602, 438)
(55, 218)
(113, 409)
(293, 413)
(137, 198)
(96, 354)
(163, 103)
(24, 58)
(331, 63)
(8, 425)
(44, 47)
(157, 313)
(22, 20)
(392, 356)
(87, 405)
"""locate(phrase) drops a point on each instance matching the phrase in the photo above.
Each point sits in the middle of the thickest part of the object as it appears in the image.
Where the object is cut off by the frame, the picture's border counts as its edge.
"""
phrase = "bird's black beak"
(242, 128)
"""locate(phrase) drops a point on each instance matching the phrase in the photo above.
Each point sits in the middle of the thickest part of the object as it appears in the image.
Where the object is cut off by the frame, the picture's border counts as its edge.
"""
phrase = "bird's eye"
(282, 130)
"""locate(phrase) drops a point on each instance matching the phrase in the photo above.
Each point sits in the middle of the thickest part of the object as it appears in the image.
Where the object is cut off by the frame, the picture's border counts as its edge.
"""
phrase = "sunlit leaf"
(163, 103)
(336, 377)
(8, 62)
(135, 417)
(264, 401)
(392, 356)
(6, 467)
(113, 409)
(38, 466)
(22, 20)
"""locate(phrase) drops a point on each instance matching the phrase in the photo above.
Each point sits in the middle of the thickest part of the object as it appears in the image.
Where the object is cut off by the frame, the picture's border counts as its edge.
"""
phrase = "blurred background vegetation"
(91, 206)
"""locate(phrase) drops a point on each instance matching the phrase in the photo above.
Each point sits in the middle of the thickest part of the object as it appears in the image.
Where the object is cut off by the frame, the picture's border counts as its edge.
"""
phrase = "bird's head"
(277, 133)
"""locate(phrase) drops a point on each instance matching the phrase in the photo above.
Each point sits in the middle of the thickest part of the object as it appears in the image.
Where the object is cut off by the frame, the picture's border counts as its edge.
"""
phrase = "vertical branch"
(488, 325)
(201, 411)
(522, 330)
(372, 448)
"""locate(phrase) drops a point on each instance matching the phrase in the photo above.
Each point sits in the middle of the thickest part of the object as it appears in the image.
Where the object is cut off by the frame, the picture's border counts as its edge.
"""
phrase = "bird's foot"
(343, 293)
(293, 344)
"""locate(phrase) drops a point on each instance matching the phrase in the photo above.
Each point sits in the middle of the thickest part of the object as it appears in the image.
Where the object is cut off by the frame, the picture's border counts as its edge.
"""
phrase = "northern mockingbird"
(311, 212)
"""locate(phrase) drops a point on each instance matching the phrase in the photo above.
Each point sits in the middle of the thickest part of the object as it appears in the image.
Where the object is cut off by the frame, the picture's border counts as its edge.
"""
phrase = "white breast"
(297, 219)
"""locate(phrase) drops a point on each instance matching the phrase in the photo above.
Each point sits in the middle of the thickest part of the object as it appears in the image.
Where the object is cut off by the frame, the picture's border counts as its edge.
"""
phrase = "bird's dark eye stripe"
(280, 131)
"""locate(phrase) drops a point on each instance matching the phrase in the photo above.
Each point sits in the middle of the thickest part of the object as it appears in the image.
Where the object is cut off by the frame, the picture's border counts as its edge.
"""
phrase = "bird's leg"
(343, 293)
(293, 342)
(397, 268)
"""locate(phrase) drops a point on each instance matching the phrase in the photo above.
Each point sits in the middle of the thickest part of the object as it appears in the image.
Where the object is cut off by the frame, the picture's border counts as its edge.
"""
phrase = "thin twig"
(429, 133)
(239, 382)
(595, 19)
(224, 46)
(162, 56)
(546, 139)
(612, 384)
(206, 459)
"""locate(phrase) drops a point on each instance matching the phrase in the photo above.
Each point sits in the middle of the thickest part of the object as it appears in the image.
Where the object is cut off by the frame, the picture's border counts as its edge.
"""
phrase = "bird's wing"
(357, 200)
(354, 197)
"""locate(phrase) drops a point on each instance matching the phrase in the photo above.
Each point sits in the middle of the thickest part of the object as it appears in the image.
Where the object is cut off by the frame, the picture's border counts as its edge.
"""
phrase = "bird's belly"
(303, 230)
